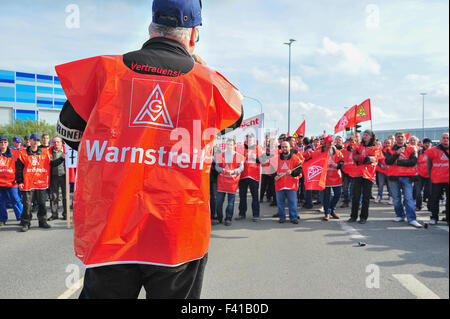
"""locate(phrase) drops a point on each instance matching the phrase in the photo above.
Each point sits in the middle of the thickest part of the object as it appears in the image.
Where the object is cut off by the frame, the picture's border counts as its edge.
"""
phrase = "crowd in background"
(33, 172)
(414, 171)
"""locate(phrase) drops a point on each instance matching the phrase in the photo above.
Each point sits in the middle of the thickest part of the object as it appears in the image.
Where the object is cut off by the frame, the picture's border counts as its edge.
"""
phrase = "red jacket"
(440, 158)
(362, 153)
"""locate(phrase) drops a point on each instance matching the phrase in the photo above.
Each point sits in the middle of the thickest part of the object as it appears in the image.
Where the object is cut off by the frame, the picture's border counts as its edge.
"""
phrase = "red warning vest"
(382, 167)
(7, 171)
(251, 168)
(142, 184)
(269, 167)
(350, 167)
(439, 170)
(287, 181)
(228, 183)
(395, 170)
(422, 164)
(368, 170)
(36, 171)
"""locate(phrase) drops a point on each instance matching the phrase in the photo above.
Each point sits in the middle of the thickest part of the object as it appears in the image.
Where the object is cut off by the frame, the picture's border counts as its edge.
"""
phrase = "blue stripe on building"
(44, 90)
(25, 93)
(26, 115)
(59, 91)
(44, 78)
(7, 94)
(6, 76)
(25, 76)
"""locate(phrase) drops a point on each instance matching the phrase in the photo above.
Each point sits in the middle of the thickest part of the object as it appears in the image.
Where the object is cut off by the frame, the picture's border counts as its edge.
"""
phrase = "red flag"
(301, 130)
(347, 120)
(363, 112)
(315, 172)
(408, 136)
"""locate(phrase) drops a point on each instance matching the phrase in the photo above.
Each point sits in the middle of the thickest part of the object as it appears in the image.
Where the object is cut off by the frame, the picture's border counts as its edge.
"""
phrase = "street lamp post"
(252, 98)
(423, 114)
(289, 85)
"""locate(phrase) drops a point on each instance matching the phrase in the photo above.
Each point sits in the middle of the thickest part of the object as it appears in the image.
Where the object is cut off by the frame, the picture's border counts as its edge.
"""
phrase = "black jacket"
(391, 158)
(159, 53)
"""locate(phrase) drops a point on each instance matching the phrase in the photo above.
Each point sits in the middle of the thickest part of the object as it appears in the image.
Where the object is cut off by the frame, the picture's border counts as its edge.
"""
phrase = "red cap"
(328, 139)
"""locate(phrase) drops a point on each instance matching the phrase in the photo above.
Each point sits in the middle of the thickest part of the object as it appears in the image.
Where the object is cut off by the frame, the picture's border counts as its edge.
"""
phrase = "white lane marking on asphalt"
(69, 292)
(415, 287)
(351, 231)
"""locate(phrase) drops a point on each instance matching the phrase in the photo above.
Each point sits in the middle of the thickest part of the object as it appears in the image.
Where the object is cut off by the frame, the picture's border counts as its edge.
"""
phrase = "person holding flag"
(286, 182)
(141, 205)
(366, 156)
(334, 177)
(349, 171)
(229, 165)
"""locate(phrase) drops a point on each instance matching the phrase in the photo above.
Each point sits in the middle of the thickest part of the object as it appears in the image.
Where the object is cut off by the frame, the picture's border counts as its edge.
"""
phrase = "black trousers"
(56, 183)
(360, 186)
(422, 184)
(125, 281)
(436, 190)
(265, 187)
(41, 196)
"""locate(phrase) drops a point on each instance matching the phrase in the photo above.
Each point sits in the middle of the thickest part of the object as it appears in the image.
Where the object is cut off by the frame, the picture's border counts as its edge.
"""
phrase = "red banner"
(315, 172)
(301, 130)
(363, 112)
(347, 120)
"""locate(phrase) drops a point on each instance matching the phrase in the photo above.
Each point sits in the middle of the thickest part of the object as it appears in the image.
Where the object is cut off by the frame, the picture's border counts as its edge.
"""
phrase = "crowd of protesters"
(413, 171)
(32, 172)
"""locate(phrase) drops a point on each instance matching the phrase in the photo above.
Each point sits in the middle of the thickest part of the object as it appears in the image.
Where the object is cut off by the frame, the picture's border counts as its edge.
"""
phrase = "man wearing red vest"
(349, 171)
(144, 125)
(424, 182)
(229, 165)
(33, 177)
(286, 182)
(366, 156)
(9, 192)
(254, 155)
(401, 160)
(334, 177)
(382, 173)
(438, 162)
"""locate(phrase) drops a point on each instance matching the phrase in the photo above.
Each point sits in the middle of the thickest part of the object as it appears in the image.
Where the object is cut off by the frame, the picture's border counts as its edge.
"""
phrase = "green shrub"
(22, 128)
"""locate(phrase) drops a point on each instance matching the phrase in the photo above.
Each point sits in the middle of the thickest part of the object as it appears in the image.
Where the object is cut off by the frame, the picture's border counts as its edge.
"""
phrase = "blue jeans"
(329, 203)
(382, 180)
(244, 184)
(220, 198)
(403, 185)
(291, 196)
(11, 195)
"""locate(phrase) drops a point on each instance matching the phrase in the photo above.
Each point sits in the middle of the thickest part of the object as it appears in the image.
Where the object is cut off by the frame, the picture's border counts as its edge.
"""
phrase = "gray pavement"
(264, 259)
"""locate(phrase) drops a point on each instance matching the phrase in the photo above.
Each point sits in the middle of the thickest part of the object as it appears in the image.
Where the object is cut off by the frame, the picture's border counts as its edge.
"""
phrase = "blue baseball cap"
(35, 137)
(178, 13)
(17, 139)
(3, 138)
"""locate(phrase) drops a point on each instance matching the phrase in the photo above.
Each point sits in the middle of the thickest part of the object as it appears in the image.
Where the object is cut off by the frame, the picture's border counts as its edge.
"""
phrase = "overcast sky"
(345, 51)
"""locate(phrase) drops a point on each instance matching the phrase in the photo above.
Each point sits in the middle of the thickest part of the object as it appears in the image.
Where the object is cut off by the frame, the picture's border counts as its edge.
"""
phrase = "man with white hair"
(144, 124)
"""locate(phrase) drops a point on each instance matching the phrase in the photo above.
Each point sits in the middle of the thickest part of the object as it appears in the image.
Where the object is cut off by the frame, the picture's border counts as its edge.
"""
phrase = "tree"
(22, 128)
